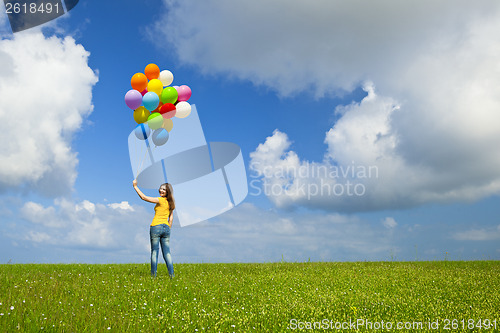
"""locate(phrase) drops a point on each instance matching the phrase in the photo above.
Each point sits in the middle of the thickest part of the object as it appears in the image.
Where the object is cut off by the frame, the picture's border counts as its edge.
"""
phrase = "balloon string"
(143, 158)
(140, 167)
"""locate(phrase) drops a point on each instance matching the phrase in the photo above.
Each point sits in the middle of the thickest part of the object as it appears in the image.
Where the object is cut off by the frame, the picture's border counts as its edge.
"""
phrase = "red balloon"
(168, 110)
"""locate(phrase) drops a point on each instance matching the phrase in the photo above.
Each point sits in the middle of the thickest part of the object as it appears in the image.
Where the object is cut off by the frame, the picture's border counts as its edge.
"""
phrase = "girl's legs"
(154, 235)
(165, 249)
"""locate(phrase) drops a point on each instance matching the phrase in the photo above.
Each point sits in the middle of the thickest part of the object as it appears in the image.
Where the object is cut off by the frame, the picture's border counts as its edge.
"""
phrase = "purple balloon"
(184, 93)
(133, 99)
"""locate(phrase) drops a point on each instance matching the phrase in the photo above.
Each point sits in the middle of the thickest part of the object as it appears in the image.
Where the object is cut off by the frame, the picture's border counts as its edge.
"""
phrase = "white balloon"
(166, 77)
(183, 109)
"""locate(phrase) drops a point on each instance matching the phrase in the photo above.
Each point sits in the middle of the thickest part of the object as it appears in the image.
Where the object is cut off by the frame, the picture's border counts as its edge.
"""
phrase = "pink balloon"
(184, 93)
(133, 99)
(144, 92)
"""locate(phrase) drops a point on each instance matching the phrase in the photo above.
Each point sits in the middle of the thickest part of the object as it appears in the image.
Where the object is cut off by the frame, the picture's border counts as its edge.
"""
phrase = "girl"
(159, 230)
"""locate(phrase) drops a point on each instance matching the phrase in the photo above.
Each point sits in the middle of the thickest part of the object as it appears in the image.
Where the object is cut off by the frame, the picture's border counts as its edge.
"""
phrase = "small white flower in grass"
(12, 307)
(109, 328)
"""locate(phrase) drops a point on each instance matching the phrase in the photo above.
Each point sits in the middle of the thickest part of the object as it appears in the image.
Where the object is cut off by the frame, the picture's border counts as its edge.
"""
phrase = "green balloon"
(155, 121)
(169, 95)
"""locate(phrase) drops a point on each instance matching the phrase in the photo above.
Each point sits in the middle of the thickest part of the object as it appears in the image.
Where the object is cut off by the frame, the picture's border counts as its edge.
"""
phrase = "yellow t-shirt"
(161, 212)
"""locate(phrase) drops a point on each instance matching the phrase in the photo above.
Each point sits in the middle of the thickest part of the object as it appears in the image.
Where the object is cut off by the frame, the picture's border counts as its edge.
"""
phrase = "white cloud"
(272, 235)
(86, 205)
(111, 231)
(38, 214)
(365, 167)
(482, 234)
(294, 46)
(87, 225)
(124, 206)
(301, 235)
(389, 223)
(430, 123)
(40, 237)
(45, 94)
(267, 236)
(122, 235)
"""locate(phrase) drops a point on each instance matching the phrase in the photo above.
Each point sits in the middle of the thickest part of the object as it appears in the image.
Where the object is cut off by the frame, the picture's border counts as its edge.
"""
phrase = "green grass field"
(270, 297)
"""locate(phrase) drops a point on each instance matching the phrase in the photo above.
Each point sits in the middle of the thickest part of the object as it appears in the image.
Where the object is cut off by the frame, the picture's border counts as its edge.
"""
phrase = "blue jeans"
(160, 234)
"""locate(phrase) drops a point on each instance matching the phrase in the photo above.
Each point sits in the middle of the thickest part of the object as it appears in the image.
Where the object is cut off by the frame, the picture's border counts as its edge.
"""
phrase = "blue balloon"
(142, 131)
(150, 100)
(160, 136)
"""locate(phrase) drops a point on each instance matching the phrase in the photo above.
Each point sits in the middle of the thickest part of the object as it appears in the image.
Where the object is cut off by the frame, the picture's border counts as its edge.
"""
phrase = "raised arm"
(142, 195)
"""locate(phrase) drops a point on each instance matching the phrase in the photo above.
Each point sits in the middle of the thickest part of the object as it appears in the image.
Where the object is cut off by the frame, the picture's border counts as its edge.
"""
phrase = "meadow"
(457, 296)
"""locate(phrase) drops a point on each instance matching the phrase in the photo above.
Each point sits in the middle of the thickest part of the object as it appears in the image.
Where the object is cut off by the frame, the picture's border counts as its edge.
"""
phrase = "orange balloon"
(159, 107)
(139, 82)
(152, 71)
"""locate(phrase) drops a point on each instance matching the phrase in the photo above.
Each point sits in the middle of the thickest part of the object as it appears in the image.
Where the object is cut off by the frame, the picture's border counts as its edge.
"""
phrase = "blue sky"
(411, 90)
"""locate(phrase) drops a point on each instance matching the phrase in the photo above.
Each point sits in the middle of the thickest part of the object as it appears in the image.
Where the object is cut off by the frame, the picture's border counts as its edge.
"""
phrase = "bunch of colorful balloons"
(155, 102)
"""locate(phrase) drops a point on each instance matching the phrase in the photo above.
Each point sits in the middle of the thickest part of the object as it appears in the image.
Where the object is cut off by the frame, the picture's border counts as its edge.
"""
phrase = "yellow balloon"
(155, 86)
(141, 114)
(168, 124)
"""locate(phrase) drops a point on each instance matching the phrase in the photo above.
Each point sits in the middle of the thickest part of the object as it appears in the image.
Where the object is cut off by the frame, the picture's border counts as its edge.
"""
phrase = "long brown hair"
(170, 196)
